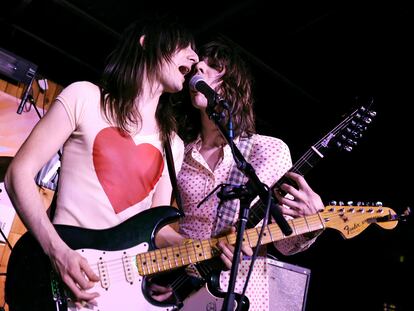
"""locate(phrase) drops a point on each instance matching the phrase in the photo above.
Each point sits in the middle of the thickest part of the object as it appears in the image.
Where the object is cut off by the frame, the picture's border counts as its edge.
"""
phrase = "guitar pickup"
(103, 274)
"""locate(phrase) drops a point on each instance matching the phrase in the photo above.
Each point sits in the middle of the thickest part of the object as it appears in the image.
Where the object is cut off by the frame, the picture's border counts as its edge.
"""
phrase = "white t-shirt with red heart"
(107, 177)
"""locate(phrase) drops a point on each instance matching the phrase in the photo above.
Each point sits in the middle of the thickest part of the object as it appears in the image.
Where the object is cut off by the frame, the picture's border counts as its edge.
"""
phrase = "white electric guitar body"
(119, 277)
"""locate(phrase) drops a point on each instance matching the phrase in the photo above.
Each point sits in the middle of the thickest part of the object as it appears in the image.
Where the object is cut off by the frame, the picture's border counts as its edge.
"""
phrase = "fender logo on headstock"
(354, 227)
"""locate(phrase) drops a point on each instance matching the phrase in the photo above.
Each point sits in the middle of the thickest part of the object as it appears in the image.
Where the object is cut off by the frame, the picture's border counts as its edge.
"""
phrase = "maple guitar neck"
(349, 220)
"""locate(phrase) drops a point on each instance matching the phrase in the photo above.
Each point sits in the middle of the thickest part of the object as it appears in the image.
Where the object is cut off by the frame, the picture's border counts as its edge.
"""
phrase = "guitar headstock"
(346, 135)
(351, 220)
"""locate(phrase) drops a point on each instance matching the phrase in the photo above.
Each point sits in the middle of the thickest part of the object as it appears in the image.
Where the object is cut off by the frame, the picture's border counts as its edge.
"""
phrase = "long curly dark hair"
(236, 89)
(123, 75)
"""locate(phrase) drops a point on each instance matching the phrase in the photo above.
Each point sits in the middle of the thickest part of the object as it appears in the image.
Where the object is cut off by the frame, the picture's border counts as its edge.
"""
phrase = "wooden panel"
(3, 85)
(50, 93)
(15, 90)
(42, 99)
(2, 303)
(14, 128)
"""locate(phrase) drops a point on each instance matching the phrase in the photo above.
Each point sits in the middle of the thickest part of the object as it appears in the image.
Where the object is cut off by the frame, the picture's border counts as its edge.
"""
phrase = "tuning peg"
(372, 113)
(341, 203)
(351, 142)
(356, 135)
(350, 203)
(378, 203)
(358, 125)
(361, 127)
(353, 133)
(333, 202)
(367, 120)
(405, 214)
(362, 109)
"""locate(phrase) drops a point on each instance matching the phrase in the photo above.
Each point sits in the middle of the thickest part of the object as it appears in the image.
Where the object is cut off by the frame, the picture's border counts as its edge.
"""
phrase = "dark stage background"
(312, 64)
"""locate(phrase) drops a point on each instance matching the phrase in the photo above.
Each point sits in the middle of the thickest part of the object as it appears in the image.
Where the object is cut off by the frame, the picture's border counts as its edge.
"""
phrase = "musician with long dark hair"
(112, 135)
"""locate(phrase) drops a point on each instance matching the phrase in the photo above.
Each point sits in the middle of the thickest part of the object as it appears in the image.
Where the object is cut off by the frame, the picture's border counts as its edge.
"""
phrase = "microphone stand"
(25, 96)
(248, 192)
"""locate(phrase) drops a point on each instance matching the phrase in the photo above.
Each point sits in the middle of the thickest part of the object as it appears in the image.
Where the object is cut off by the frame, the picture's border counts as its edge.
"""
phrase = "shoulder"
(83, 89)
(263, 143)
(177, 149)
(177, 144)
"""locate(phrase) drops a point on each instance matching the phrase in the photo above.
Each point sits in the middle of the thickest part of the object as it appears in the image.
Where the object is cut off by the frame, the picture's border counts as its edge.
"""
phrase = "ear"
(141, 40)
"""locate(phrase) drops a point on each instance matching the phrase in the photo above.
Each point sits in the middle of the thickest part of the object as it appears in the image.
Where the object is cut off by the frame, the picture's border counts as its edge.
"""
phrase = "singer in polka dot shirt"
(209, 162)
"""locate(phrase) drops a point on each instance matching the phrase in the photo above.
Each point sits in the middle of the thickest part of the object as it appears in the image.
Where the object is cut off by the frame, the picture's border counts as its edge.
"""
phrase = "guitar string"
(259, 209)
(180, 280)
(118, 266)
(312, 220)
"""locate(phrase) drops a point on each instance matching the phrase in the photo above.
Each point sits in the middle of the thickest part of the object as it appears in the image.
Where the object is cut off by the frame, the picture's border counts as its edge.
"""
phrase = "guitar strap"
(226, 210)
(173, 176)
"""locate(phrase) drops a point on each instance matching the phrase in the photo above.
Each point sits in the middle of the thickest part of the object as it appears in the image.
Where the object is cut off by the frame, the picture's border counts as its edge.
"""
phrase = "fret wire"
(304, 218)
(152, 265)
(181, 254)
(188, 253)
(157, 253)
(167, 258)
(148, 260)
(270, 233)
(195, 251)
(173, 256)
(211, 246)
(292, 224)
(202, 248)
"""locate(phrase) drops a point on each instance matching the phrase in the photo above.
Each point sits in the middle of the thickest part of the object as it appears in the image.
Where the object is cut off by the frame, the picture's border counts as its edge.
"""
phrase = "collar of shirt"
(194, 149)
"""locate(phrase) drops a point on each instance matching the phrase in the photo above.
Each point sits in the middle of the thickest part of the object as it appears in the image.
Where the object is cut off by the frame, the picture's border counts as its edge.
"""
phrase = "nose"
(199, 68)
(192, 56)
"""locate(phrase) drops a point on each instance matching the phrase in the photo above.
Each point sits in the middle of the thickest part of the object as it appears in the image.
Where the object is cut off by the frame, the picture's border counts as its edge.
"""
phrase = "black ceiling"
(312, 62)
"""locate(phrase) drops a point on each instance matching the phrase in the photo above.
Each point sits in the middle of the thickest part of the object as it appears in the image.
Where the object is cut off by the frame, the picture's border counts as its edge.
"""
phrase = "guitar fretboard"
(169, 258)
(304, 165)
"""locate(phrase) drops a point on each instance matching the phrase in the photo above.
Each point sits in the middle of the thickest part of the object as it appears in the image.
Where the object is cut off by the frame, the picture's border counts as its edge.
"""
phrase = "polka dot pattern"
(258, 287)
(270, 157)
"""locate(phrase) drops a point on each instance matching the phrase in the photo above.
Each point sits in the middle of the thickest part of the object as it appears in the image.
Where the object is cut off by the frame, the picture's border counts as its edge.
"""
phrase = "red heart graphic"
(126, 171)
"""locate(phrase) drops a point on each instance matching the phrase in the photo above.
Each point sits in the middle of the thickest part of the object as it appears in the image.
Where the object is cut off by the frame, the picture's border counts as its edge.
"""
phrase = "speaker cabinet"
(288, 286)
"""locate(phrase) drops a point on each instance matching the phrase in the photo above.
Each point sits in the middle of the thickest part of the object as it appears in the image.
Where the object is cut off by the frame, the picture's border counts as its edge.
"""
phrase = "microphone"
(197, 83)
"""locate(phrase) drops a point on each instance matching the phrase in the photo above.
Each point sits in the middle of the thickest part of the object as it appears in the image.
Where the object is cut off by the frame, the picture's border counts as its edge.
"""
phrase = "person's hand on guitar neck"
(298, 201)
(227, 250)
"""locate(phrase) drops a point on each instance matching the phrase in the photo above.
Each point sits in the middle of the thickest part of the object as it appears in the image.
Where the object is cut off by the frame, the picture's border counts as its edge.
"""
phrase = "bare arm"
(44, 141)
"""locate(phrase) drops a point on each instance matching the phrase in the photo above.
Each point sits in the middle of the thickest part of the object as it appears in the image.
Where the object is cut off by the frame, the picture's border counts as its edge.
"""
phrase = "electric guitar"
(125, 256)
(344, 136)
